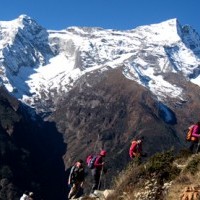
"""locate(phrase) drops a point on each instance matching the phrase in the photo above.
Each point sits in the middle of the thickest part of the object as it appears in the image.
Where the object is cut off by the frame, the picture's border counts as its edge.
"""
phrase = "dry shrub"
(184, 178)
(164, 167)
(125, 177)
(193, 165)
(127, 182)
(182, 181)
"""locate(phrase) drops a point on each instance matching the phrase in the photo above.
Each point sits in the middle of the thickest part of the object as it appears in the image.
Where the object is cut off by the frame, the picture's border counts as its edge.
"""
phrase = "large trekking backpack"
(90, 160)
(189, 133)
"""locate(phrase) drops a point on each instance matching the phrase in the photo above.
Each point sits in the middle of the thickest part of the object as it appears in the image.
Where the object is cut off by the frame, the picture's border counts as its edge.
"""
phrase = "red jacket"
(98, 164)
(135, 149)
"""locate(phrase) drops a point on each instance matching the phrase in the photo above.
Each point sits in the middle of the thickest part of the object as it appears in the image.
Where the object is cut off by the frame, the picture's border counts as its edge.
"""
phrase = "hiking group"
(77, 174)
(97, 164)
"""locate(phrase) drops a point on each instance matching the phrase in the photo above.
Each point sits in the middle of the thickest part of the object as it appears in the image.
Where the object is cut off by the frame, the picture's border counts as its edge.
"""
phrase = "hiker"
(98, 169)
(195, 138)
(76, 178)
(25, 196)
(135, 150)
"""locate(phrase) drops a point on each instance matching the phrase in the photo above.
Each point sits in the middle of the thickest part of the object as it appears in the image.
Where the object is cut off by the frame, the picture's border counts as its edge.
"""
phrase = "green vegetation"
(162, 165)
(193, 166)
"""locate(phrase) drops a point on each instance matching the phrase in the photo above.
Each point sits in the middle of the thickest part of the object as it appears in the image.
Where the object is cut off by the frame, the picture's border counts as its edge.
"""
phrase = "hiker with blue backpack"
(76, 179)
(96, 164)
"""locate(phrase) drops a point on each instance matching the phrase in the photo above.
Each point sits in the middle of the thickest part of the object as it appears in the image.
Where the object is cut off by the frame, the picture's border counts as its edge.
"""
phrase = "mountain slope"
(108, 111)
(163, 176)
(101, 88)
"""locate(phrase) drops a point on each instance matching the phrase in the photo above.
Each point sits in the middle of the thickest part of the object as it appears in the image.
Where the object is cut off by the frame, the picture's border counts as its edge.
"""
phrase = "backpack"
(90, 161)
(189, 133)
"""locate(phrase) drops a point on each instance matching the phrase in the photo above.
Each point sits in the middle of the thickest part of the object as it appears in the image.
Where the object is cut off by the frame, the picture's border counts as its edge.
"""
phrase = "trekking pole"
(198, 146)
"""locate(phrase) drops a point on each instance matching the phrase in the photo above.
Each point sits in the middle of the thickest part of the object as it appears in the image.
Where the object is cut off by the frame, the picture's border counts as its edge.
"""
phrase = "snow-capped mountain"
(38, 65)
(96, 88)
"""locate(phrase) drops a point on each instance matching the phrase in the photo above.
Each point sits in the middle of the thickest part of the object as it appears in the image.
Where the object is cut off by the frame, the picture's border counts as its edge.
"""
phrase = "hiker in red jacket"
(98, 170)
(195, 137)
(135, 150)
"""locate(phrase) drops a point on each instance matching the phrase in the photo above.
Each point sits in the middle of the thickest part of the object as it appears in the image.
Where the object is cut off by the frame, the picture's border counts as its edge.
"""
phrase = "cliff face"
(30, 152)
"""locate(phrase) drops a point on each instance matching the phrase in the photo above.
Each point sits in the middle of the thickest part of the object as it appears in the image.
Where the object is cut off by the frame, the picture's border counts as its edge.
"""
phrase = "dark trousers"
(96, 174)
(75, 188)
(194, 147)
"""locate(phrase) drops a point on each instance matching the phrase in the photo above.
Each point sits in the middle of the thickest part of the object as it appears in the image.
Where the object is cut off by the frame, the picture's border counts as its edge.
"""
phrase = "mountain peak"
(25, 20)
(164, 32)
(24, 17)
(174, 22)
(20, 22)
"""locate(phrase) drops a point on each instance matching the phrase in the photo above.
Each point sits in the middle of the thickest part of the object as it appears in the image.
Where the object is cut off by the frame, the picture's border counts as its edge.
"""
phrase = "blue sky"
(109, 14)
